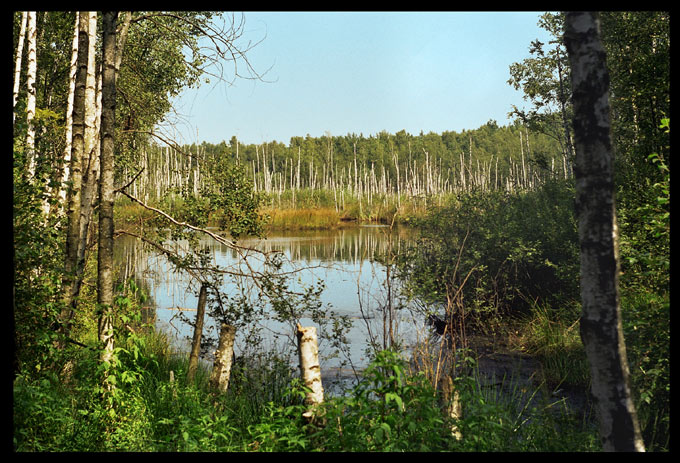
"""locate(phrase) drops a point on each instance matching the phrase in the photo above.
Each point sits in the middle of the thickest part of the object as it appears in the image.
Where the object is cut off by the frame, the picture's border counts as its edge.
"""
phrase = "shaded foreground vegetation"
(388, 410)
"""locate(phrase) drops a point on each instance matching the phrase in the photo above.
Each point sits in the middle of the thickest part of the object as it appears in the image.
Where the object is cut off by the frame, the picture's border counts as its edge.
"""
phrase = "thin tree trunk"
(17, 62)
(451, 399)
(75, 191)
(198, 332)
(90, 151)
(219, 378)
(569, 156)
(600, 325)
(69, 114)
(106, 192)
(30, 85)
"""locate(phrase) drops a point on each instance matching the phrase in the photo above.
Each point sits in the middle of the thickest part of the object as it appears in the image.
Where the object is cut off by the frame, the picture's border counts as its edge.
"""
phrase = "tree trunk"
(106, 192)
(198, 331)
(90, 163)
(219, 378)
(69, 113)
(17, 62)
(600, 325)
(310, 369)
(454, 409)
(74, 193)
(30, 85)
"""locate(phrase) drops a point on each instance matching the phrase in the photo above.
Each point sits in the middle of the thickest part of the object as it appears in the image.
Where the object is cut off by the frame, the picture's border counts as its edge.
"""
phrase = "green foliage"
(646, 323)
(645, 303)
(388, 410)
(519, 420)
(232, 198)
(645, 232)
(392, 410)
(637, 44)
(37, 275)
(497, 251)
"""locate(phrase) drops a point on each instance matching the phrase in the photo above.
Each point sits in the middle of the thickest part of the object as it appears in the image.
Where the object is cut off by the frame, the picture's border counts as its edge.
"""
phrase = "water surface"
(345, 260)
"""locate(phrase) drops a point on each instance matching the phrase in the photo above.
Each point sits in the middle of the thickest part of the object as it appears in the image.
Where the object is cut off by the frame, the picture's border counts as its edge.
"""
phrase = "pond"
(343, 259)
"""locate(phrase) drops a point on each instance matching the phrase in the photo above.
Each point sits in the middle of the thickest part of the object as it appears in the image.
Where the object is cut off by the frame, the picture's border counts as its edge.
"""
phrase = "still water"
(344, 260)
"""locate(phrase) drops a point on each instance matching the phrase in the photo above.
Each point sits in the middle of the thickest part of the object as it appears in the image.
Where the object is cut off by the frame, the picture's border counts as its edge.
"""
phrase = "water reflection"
(355, 284)
(353, 244)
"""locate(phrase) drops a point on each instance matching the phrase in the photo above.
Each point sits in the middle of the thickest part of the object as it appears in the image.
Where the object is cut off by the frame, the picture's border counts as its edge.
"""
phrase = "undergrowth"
(389, 409)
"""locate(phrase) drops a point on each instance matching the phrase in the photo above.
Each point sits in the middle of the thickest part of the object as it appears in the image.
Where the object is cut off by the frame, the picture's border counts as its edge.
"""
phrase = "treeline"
(492, 157)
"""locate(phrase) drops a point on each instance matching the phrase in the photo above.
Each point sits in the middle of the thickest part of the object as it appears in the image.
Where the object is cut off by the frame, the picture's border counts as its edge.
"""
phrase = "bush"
(499, 252)
(645, 301)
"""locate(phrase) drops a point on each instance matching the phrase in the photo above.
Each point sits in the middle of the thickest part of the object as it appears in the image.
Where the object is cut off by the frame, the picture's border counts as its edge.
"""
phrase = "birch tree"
(90, 164)
(219, 377)
(69, 113)
(198, 332)
(30, 86)
(600, 324)
(75, 171)
(310, 370)
(17, 63)
(106, 191)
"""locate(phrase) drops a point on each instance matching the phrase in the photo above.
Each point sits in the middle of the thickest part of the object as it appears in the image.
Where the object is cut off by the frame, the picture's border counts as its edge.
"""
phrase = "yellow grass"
(303, 219)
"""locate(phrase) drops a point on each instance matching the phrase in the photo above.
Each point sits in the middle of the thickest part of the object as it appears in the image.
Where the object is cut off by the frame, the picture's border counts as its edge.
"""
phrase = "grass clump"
(553, 338)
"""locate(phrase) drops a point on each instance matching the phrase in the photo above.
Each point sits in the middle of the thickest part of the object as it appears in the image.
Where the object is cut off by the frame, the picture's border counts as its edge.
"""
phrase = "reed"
(303, 219)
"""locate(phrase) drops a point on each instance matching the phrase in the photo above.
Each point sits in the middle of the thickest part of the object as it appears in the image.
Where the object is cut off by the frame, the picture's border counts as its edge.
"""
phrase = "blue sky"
(364, 72)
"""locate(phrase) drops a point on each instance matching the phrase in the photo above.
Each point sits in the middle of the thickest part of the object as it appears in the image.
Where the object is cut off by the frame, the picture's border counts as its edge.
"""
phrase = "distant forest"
(491, 157)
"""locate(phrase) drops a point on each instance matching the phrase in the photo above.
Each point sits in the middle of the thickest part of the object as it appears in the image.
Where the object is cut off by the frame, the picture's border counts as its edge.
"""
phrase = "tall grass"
(552, 336)
(302, 219)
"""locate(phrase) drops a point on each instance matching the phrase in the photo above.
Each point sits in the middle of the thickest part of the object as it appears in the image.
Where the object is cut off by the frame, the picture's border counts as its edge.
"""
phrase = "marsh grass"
(553, 338)
(302, 219)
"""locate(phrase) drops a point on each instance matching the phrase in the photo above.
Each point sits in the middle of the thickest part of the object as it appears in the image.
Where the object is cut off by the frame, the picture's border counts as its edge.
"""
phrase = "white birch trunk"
(453, 406)
(76, 167)
(310, 369)
(17, 62)
(69, 113)
(90, 146)
(219, 378)
(30, 85)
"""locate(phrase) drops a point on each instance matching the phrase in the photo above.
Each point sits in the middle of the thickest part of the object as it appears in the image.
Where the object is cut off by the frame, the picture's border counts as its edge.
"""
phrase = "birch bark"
(310, 369)
(75, 190)
(17, 62)
(30, 86)
(219, 378)
(90, 165)
(69, 113)
(106, 192)
(600, 325)
(198, 331)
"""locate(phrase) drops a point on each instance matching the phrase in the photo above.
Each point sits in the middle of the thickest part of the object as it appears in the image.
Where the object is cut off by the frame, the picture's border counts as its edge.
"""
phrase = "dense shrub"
(499, 252)
(645, 302)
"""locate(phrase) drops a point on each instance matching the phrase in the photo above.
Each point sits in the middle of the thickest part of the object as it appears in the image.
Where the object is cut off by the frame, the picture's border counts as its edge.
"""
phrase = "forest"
(548, 238)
